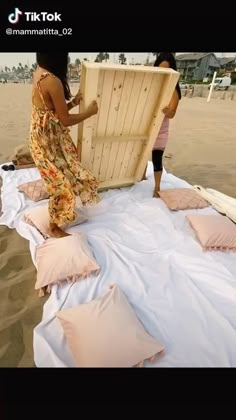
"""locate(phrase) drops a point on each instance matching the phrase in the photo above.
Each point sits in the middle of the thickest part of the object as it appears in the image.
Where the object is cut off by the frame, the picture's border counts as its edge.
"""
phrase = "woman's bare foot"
(156, 194)
(56, 232)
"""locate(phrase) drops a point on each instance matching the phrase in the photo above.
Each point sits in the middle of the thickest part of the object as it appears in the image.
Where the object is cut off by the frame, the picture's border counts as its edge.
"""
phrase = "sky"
(13, 59)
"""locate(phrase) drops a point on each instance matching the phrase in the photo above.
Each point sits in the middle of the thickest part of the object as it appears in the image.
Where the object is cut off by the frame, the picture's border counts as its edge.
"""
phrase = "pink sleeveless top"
(162, 137)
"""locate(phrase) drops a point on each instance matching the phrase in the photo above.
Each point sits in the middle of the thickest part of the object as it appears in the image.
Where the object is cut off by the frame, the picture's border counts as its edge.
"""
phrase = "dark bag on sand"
(22, 157)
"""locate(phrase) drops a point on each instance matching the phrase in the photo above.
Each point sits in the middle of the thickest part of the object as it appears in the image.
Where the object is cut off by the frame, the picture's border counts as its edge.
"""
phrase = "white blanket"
(184, 297)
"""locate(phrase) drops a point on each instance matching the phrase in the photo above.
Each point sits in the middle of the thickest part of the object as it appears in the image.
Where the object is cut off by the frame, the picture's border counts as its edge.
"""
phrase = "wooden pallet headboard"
(115, 144)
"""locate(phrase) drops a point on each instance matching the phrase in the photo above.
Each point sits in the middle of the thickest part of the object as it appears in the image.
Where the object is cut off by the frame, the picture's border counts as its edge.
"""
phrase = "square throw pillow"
(35, 190)
(214, 232)
(68, 258)
(182, 199)
(107, 333)
(39, 218)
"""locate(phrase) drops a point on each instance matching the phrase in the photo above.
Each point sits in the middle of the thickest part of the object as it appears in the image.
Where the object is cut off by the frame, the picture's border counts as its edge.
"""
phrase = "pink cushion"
(182, 199)
(214, 232)
(39, 218)
(106, 333)
(34, 190)
(68, 258)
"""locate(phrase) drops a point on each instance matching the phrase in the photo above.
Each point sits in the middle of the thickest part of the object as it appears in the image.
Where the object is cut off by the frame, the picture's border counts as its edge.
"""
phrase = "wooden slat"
(81, 107)
(134, 159)
(89, 92)
(135, 154)
(163, 100)
(107, 153)
(119, 139)
(102, 121)
(125, 152)
(147, 81)
(152, 98)
(128, 68)
(116, 183)
(99, 97)
(115, 155)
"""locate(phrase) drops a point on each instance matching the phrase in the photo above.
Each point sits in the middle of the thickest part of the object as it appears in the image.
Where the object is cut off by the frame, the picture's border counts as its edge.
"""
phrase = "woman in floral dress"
(51, 146)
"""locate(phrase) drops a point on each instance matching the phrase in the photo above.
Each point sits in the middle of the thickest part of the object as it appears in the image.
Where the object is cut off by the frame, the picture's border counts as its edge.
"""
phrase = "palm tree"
(106, 56)
(100, 57)
(20, 68)
(122, 58)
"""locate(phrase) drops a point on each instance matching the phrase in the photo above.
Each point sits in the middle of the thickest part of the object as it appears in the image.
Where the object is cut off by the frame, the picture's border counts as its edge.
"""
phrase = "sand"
(203, 148)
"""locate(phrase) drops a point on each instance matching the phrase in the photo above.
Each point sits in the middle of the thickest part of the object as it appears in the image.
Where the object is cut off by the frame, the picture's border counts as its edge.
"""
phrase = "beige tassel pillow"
(107, 333)
(182, 199)
(214, 232)
(64, 259)
(35, 190)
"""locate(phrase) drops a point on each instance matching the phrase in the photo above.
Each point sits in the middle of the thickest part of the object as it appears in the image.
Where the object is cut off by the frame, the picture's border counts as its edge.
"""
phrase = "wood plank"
(89, 92)
(163, 101)
(152, 98)
(81, 109)
(107, 153)
(128, 68)
(116, 183)
(119, 139)
(99, 97)
(135, 154)
(147, 81)
(102, 120)
(118, 148)
(126, 151)
(134, 158)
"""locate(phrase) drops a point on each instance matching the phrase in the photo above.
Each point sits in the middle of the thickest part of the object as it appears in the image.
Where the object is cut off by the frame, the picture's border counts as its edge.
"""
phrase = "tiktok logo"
(15, 16)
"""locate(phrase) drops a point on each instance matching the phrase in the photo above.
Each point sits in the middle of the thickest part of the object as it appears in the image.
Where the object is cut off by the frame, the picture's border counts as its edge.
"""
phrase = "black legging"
(157, 160)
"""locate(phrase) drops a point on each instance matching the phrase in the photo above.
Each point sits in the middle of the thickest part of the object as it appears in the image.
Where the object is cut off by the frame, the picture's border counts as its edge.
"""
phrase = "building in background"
(228, 64)
(197, 66)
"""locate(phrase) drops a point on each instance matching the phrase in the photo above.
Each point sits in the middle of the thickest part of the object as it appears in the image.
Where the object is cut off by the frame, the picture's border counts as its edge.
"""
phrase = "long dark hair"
(169, 57)
(57, 64)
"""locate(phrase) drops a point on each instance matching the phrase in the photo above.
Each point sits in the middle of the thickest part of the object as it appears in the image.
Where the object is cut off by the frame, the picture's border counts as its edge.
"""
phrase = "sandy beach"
(202, 148)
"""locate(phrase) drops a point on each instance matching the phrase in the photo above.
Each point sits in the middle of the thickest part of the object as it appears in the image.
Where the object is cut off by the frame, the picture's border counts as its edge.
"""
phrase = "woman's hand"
(92, 108)
(169, 113)
(78, 97)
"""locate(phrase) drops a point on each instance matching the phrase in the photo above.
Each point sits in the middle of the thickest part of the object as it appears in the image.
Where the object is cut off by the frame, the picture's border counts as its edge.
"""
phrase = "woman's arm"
(70, 105)
(75, 101)
(56, 92)
(173, 105)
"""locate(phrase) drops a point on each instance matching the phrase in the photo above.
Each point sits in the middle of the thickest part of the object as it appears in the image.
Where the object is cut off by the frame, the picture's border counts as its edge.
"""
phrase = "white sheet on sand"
(184, 297)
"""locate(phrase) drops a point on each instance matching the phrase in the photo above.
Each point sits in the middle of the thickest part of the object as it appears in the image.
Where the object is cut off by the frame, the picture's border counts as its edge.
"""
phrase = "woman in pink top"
(164, 60)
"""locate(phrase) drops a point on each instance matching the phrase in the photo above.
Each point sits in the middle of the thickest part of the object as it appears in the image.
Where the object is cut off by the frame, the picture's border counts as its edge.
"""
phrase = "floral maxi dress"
(56, 158)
